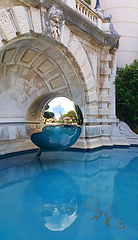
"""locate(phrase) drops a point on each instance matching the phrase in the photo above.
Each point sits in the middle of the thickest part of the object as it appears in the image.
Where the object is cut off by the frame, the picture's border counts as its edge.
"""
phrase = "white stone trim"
(20, 15)
(6, 26)
(125, 130)
(36, 20)
(12, 120)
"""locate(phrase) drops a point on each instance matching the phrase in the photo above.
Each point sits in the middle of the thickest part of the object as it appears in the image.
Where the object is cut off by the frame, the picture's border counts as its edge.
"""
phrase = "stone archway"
(29, 22)
(32, 67)
(35, 64)
(45, 53)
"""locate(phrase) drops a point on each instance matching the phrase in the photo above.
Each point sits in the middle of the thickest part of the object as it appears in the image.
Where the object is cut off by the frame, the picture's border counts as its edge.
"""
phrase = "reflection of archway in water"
(53, 195)
(126, 193)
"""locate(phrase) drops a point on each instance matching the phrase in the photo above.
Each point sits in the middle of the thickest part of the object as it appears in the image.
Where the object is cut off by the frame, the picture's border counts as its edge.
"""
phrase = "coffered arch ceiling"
(32, 67)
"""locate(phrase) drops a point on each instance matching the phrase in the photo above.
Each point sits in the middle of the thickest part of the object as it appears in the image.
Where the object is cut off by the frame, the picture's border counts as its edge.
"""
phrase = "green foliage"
(71, 114)
(126, 84)
(48, 115)
(88, 1)
(79, 115)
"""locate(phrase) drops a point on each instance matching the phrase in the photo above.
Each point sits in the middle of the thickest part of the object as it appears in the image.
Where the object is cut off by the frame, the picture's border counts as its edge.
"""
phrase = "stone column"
(112, 106)
(104, 84)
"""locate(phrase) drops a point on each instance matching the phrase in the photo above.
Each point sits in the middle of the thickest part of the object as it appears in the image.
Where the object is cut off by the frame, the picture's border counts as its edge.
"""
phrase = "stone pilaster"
(112, 106)
(104, 84)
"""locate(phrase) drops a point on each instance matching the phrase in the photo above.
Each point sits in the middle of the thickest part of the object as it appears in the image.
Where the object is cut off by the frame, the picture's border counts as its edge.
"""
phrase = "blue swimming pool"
(78, 195)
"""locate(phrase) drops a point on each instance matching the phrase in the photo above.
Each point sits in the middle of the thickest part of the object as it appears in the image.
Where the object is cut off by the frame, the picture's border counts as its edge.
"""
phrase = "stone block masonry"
(48, 49)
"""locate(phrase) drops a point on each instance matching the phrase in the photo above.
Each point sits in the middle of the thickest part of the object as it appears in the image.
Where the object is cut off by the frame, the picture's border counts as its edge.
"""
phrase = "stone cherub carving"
(55, 21)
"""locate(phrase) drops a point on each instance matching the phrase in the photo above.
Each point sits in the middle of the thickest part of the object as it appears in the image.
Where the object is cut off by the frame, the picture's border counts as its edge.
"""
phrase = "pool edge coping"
(7, 155)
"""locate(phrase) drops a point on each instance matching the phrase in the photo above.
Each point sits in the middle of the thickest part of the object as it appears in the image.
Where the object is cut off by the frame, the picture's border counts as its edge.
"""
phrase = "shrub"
(126, 84)
(88, 1)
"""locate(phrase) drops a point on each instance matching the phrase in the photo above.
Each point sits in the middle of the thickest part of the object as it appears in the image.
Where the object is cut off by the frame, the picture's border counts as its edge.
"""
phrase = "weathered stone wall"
(42, 56)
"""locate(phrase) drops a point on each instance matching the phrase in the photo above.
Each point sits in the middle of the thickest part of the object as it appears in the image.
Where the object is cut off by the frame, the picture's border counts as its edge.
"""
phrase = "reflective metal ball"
(60, 126)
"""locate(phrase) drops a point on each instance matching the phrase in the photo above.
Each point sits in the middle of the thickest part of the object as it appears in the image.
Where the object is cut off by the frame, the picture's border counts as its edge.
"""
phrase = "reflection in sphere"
(54, 194)
(60, 126)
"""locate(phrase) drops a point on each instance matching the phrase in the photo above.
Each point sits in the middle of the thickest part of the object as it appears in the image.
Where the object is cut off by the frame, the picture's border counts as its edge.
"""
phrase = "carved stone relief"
(125, 130)
(53, 20)
(93, 131)
(99, 130)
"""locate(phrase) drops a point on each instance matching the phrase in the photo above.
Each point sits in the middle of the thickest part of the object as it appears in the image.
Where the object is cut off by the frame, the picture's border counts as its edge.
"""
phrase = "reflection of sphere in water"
(55, 194)
(60, 127)
(58, 221)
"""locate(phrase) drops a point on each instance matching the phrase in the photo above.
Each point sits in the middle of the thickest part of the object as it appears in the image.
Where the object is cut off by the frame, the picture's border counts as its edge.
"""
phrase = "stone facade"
(46, 52)
(125, 20)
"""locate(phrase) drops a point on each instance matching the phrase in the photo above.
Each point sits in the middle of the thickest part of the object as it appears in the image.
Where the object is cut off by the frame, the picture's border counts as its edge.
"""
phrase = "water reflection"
(58, 221)
(70, 195)
(126, 184)
(55, 194)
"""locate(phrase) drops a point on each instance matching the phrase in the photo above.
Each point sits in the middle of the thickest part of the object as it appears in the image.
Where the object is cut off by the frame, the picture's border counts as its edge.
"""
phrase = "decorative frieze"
(97, 131)
(92, 131)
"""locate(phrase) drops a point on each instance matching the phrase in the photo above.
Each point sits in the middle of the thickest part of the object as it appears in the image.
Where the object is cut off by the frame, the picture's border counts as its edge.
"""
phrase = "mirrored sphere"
(60, 126)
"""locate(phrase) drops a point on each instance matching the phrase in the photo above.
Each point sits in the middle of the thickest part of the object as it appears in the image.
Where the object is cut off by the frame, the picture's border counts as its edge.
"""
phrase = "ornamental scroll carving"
(53, 20)
(125, 130)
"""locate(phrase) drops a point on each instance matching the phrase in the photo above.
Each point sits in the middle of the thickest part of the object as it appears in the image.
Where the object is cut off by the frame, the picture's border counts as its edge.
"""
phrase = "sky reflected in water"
(70, 195)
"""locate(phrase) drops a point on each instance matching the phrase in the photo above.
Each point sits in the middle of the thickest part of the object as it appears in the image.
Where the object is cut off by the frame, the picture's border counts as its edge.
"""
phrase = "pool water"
(70, 195)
